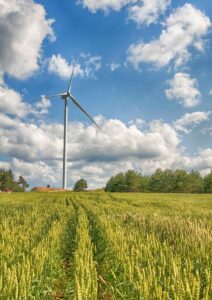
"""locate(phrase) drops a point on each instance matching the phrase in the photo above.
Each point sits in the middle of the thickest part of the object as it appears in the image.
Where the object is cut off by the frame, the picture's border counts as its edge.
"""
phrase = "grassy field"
(89, 246)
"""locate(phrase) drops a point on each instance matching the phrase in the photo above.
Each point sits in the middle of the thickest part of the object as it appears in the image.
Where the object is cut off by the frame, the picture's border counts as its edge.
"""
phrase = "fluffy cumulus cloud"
(139, 123)
(147, 11)
(184, 29)
(184, 89)
(60, 66)
(26, 141)
(35, 150)
(87, 66)
(118, 141)
(105, 5)
(139, 11)
(23, 28)
(38, 172)
(12, 103)
(191, 120)
(42, 106)
(167, 132)
(202, 161)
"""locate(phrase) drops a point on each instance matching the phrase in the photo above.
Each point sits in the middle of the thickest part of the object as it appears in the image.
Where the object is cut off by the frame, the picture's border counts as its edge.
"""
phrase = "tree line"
(8, 182)
(167, 181)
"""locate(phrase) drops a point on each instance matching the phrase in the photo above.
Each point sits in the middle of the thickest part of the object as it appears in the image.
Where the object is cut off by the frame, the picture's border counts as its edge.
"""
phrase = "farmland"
(105, 246)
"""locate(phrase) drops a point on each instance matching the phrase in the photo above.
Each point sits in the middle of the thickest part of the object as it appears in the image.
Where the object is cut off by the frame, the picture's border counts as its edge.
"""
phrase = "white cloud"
(201, 161)
(184, 28)
(167, 132)
(30, 142)
(114, 66)
(97, 173)
(191, 120)
(139, 123)
(207, 130)
(27, 141)
(139, 11)
(91, 64)
(36, 150)
(11, 102)
(87, 67)
(147, 11)
(42, 106)
(104, 5)
(116, 142)
(43, 103)
(184, 89)
(92, 170)
(39, 173)
(23, 27)
(60, 66)
(210, 93)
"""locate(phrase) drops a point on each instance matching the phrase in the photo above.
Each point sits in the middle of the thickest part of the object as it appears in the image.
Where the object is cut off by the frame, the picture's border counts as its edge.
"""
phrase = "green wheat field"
(87, 246)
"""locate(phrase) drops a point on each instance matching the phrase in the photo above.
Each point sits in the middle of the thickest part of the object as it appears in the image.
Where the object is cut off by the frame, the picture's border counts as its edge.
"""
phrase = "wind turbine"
(65, 97)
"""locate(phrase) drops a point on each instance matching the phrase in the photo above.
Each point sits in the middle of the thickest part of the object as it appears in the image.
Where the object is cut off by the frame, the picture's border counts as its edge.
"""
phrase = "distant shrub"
(80, 185)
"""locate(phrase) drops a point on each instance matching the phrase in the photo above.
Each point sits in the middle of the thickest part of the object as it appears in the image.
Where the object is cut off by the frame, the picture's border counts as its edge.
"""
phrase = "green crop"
(89, 246)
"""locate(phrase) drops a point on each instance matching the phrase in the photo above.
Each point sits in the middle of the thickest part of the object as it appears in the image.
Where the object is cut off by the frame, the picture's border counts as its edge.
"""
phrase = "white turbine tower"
(65, 96)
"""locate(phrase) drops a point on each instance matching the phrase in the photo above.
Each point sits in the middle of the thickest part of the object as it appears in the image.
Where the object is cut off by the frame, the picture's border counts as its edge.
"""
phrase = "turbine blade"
(53, 96)
(84, 111)
(72, 76)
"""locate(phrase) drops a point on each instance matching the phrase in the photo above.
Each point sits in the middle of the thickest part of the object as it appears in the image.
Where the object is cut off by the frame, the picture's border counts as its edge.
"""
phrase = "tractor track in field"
(63, 287)
(107, 272)
(100, 254)
(112, 281)
(101, 248)
(69, 244)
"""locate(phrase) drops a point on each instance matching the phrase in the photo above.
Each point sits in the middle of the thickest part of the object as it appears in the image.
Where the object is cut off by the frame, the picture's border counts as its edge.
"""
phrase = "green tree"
(162, 181)
(8, 180)
(22, 183)
(116, 184)
(144, 184)
(132, 181)
(110, 185)
(167, 181)
(181, 182)
(1, 179)
(155, 181)
(196, 182)
(208, 183)
(80, 185)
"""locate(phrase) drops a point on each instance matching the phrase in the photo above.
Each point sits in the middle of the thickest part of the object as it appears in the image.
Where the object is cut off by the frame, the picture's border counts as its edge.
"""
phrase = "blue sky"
(142, 98)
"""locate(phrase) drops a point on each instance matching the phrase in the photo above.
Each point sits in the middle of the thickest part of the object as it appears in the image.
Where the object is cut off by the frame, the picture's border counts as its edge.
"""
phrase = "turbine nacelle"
(65, 96)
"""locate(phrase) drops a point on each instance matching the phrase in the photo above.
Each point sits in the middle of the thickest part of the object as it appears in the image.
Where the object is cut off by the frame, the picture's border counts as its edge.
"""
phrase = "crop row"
(96, 246)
